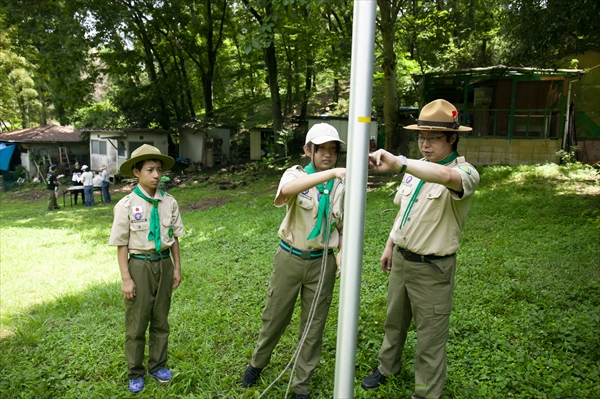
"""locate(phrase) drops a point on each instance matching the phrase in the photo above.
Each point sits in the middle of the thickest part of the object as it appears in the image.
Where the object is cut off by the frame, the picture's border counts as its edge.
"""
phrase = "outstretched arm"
(304, 183)
(383, 161)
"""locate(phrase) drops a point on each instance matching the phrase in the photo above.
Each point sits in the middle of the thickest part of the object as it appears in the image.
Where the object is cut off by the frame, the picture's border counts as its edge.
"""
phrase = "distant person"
(146, 230)
(312, 227)
(420, 252)
(87, 178)
(97, 181)
(77, 181)
(105, 184)
(52, 185)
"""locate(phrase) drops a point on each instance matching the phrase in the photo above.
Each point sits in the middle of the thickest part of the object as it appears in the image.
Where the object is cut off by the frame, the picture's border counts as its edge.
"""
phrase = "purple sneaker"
(162, 375)
(136, 384)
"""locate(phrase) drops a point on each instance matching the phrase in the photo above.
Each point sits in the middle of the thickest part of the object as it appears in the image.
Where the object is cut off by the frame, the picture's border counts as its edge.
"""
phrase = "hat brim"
(324, 139)
(126, 168)
(445, 129)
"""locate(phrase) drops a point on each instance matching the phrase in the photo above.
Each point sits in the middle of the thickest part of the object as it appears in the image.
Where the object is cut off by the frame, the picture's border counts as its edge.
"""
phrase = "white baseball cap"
(322, 133)
(84, 167)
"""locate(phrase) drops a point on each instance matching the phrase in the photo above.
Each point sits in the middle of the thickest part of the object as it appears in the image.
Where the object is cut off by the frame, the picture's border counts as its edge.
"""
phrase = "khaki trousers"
(292, 275)
(153, 287)
(52, 204)
(422, 291)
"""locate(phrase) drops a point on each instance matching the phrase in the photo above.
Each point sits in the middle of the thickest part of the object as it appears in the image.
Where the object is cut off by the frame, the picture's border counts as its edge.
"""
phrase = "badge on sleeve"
(465, 168)
(170, 233)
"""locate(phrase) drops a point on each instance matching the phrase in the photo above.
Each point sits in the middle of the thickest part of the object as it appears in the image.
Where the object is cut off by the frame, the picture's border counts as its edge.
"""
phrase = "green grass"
(525, 323)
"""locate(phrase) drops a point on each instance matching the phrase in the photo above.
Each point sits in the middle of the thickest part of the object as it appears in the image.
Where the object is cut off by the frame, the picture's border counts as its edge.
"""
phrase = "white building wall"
(191, 144)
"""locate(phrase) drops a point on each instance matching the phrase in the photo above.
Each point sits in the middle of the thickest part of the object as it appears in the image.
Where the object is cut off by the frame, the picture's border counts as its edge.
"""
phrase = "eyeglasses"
(430, 139)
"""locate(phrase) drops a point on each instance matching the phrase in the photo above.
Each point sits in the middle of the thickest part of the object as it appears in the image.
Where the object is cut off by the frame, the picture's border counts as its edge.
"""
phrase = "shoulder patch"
(465, 168)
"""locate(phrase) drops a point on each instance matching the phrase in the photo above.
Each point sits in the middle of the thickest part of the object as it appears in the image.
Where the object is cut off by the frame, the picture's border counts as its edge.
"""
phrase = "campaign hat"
(439, 115)
(142, 153)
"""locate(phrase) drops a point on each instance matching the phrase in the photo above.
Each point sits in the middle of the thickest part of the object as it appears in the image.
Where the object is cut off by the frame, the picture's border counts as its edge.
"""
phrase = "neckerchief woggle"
(154, 234)
(323, 205)
(412, 200)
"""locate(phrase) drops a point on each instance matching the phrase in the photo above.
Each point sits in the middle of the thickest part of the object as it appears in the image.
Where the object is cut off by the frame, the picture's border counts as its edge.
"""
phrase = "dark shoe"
(301, 396)
(374, 380)
(136, 384)
(250, 376)
(163, 375)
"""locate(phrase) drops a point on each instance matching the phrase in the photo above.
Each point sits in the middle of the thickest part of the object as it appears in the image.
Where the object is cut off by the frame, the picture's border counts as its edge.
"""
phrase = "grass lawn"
(525, 323)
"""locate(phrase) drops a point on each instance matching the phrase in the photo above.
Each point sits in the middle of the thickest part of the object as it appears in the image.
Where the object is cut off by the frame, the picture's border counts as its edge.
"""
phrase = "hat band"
(449, 125)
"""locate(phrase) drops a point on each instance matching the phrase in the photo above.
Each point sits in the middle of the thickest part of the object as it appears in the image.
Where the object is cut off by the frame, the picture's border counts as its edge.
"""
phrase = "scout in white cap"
(434, 199)
(146, 230)
(312, 227)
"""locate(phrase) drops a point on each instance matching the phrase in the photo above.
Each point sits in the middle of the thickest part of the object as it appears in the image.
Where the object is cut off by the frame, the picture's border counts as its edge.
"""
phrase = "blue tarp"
(6, 152)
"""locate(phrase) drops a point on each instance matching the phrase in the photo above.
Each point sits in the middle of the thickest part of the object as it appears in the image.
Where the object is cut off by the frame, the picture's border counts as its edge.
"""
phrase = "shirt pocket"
(138, 238)
(305, 203)
(403, 194)
(435, 203)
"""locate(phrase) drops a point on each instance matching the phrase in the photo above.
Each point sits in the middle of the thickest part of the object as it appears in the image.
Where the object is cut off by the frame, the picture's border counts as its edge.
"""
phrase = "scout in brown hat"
(146, 230)
(419, 255)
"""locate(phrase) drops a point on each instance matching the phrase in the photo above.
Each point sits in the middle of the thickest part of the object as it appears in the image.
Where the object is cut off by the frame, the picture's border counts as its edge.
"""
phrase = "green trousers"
(292, 275)
(52, 204)
(422, 291)
(153, 287)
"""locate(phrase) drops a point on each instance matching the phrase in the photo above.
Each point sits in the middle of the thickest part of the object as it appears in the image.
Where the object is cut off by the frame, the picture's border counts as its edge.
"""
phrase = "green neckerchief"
(444, 161)
(323, 205)
(154, 234)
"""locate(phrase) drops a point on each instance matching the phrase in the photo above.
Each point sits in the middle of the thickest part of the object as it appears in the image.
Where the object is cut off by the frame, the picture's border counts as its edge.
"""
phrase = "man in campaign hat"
(146, 230)
(420, 253)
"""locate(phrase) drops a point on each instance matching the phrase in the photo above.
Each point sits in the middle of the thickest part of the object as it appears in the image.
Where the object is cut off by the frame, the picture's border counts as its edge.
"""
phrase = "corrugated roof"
(42, 134)
(123, 130)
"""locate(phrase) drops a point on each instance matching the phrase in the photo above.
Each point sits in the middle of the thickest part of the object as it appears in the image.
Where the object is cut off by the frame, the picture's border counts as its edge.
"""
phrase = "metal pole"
(361, 87)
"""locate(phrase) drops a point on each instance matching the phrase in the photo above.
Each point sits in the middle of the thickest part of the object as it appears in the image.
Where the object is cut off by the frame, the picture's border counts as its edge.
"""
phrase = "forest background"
(254, 63)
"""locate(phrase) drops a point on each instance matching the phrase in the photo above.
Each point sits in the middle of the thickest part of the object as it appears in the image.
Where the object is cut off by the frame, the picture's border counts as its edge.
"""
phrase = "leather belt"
(303, 253)
(413, 257)
(153, 256)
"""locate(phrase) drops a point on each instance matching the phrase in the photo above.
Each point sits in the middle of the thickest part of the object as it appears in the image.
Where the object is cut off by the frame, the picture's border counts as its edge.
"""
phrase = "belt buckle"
(407, 255)
(305, 254)
(154, 256)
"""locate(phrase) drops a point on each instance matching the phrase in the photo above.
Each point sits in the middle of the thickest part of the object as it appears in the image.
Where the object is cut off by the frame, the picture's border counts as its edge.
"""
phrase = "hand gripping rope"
(313, 307)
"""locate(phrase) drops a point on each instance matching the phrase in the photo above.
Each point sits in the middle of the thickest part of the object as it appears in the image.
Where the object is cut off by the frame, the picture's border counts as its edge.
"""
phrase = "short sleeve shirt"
(87, 178)
(302, 211)
(51, 178)
(435, 221)
(131, 224)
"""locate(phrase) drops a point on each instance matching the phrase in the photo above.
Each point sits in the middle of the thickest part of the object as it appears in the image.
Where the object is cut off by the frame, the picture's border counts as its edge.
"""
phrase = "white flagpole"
(361, 87)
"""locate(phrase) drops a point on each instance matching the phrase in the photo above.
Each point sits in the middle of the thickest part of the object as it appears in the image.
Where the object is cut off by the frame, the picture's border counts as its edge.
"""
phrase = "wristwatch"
(404, 163)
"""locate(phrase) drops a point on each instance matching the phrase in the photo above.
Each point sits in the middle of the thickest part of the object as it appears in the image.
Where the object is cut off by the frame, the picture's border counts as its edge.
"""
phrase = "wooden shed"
(518, 115)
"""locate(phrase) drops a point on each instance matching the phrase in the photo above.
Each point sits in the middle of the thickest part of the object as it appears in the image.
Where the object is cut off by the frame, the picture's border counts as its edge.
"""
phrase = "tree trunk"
(271, 62)
(393, 141)
(307, 87)
(42, 107)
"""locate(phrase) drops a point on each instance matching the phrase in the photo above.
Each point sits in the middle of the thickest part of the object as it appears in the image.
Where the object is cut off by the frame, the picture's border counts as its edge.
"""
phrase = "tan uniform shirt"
(131, 224)
(434, 224)
(301, 215)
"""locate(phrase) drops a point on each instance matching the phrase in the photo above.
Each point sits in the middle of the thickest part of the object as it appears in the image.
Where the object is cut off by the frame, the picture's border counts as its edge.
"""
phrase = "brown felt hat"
(141, 154)
(439, 115)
